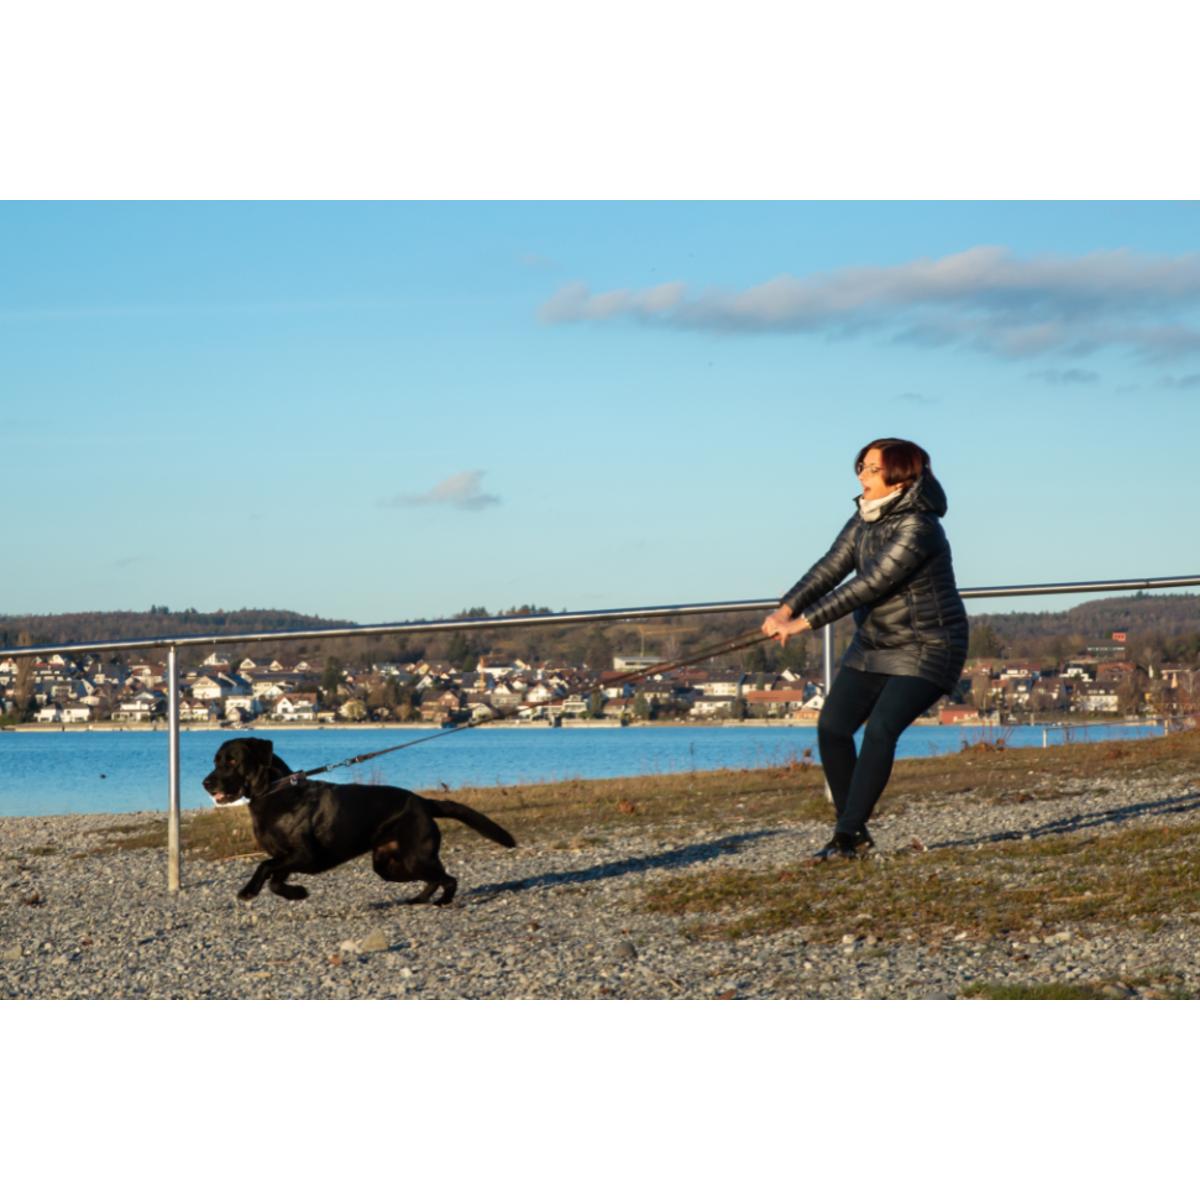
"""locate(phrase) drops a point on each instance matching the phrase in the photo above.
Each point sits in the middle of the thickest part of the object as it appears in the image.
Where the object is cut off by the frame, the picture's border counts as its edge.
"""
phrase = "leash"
(729, 646)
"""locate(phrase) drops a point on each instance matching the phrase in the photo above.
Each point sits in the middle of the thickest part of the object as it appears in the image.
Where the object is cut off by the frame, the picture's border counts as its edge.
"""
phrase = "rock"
(374, 942)
(350, 946)
(10, 954)
(625, 950)
(1114, 991)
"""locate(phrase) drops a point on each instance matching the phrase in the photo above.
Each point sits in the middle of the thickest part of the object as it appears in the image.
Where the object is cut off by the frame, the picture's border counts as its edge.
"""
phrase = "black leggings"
(893, 703)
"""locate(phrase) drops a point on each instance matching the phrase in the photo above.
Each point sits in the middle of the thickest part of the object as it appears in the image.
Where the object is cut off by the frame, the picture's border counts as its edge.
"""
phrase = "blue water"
(119, 771)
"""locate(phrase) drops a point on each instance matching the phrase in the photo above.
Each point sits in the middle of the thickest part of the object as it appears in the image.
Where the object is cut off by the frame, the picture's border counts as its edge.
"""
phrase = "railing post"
(172, 771)
(828, 632)
(827, 638)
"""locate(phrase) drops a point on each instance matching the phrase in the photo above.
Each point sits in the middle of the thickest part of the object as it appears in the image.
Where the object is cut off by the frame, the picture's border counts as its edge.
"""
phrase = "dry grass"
(1005, 889)
(1035, 991)
(1001, 890)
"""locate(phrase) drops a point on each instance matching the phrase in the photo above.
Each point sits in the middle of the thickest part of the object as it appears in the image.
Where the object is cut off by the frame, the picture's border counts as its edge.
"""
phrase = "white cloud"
(983, 297)
(458, 491)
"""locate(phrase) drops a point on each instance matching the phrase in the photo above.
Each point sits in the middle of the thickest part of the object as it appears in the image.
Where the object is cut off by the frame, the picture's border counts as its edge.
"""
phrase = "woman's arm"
(916, 538)
(825, 574)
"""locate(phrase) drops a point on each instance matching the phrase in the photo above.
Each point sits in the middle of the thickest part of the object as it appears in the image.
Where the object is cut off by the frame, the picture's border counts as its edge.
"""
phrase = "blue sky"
(387, 411)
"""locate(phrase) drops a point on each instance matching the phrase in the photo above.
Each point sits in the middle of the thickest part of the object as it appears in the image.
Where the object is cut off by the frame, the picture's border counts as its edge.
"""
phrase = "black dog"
(311, 827)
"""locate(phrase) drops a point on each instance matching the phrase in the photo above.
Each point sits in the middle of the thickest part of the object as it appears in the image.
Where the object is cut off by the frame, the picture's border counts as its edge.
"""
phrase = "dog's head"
(241, 767)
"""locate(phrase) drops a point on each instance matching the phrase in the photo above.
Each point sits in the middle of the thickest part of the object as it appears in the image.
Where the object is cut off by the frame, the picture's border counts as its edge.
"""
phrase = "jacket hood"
(924, 494)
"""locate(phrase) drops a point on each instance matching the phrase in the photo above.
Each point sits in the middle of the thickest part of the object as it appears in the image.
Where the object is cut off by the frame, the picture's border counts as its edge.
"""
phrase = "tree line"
(1157, 628)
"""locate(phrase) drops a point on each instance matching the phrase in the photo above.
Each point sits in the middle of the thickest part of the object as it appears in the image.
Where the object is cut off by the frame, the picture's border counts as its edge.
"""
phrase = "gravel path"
(534, 922)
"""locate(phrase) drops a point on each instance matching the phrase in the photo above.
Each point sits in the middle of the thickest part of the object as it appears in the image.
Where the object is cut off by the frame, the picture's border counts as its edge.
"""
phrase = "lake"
(118, 771)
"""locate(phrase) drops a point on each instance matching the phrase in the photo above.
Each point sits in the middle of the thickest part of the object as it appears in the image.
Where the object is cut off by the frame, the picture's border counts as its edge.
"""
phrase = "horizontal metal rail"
(173, 644)
(565, 618)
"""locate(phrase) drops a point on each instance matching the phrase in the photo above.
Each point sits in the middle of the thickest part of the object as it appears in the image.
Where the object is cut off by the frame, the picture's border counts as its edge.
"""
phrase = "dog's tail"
(476, 820)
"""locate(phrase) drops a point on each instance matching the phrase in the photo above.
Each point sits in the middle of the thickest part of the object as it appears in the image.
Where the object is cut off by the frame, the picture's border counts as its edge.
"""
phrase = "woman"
(911, 640)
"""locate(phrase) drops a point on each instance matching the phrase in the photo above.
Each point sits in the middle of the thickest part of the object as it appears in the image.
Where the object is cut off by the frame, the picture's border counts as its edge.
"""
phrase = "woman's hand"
(782, 625)
(777, 620)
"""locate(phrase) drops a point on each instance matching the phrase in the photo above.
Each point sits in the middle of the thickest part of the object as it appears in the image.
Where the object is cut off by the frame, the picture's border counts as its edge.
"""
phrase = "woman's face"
(870, 475)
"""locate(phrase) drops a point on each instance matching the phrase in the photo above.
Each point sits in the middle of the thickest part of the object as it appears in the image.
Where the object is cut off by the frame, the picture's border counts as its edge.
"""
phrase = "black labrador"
(310, 827)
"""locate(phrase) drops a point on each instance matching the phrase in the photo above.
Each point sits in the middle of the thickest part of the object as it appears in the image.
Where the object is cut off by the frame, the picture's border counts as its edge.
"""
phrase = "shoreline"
(428, 727)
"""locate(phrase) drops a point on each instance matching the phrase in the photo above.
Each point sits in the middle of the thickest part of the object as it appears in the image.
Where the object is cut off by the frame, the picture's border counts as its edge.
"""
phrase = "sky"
(393, 411)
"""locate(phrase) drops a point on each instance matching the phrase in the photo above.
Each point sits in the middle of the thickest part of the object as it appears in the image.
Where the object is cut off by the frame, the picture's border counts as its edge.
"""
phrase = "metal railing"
(173, 644)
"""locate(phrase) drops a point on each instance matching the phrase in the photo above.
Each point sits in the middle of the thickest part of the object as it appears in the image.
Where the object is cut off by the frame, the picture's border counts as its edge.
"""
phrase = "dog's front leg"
(256, 881)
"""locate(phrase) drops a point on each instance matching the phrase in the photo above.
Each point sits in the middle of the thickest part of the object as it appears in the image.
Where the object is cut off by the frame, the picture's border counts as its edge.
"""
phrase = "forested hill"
(1157, 626)
(159, 622)
(1165, 626)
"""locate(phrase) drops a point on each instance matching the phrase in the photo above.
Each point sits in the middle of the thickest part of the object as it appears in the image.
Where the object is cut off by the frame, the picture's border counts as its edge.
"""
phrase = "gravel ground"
(535, 922)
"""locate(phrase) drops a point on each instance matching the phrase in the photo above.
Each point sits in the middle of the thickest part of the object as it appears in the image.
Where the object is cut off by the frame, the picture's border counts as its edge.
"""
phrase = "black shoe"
(841, 845)
(863, 840)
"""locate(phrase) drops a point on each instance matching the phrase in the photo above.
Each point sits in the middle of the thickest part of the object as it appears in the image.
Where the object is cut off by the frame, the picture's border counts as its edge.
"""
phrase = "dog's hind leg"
(391, 866)
(422, 897)
(447, 883)
(279, 885)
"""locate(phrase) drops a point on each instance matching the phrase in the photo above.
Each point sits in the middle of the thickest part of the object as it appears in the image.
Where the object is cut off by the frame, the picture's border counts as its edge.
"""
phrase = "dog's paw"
(294, 893)
(246, 895)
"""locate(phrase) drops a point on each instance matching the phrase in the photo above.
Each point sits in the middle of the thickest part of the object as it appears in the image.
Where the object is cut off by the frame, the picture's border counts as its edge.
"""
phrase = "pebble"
(549, 921)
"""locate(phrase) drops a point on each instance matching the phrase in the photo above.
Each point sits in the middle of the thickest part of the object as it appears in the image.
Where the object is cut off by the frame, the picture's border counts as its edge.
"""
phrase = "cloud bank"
(984, 298)
(458, 491)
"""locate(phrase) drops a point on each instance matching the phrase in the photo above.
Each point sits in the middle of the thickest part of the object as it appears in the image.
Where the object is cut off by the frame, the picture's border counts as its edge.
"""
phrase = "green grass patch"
(999, 890)
(1035, 991)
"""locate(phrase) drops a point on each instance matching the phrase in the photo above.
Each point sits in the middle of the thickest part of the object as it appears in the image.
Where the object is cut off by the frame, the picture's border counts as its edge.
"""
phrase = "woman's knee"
(883, 732)
(830, 729)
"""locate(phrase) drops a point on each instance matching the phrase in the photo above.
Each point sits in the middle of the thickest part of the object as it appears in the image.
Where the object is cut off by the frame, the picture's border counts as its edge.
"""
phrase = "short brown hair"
(902, 461)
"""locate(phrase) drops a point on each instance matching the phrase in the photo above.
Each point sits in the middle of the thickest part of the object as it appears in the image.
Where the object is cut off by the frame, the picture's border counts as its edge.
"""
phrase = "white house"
(249, 665)
(198, 710)
(1096, 699)
(235, 705)
(298, 706)
(143, 707)
(219, 687)
(721, 685)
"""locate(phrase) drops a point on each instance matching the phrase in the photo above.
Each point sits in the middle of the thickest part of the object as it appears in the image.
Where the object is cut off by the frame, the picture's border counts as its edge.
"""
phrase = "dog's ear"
(256, 764)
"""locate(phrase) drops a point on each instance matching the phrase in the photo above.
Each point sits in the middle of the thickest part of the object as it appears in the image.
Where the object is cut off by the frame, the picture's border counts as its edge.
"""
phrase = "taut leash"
(729, 646)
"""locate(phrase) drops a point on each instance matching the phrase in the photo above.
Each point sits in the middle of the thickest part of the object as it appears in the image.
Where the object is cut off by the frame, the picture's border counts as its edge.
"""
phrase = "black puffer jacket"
(910, 618)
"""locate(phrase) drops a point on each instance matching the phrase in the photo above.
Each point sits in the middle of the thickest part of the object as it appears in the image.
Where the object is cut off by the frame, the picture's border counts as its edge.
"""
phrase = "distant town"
(235, 691)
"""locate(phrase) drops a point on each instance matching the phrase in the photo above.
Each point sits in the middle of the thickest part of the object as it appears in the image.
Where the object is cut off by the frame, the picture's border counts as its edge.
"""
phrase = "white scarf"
(872, 510)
